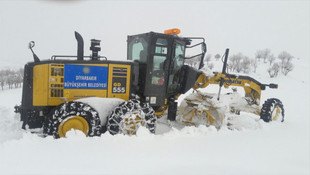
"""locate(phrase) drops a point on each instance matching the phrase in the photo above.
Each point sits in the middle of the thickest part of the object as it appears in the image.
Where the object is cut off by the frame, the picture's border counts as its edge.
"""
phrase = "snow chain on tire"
(129, 116)
(269, 108)
(69, 109)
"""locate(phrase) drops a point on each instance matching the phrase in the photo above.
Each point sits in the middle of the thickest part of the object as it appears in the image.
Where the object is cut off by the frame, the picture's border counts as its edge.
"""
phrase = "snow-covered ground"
(254, 147)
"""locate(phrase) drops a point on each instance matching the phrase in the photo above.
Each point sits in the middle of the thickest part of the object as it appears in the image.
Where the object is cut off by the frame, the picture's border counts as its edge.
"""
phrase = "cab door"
(157, 71)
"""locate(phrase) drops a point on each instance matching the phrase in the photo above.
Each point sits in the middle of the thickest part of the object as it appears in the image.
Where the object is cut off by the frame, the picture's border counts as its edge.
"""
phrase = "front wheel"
(72, 115)
(272, 110)
(129, 116)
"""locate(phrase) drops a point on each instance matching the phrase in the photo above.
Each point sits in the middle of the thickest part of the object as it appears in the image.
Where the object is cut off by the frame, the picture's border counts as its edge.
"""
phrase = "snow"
(103, 106)
(250, 147)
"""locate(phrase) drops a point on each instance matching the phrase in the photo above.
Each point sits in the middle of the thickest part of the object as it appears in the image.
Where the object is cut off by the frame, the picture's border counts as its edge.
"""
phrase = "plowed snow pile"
(252, 147)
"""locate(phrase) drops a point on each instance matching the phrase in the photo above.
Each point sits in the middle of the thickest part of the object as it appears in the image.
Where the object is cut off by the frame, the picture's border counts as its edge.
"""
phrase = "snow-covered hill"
(254, 148)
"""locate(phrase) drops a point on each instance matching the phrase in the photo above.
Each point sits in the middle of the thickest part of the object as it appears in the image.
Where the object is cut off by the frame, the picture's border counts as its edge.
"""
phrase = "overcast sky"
(242, 26)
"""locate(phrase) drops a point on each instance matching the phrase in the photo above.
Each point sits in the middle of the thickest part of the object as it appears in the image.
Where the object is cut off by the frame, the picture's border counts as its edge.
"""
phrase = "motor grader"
(132, 93)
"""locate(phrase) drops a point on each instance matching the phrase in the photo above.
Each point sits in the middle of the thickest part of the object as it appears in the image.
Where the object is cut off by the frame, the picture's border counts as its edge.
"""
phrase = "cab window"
(179, 55)
(176, 64)
(138, 50)
(159, 60)
(161, 46)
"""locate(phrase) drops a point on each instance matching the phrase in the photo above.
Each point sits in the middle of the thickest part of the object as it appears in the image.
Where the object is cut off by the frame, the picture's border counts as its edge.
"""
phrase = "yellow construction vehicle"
(59, 93)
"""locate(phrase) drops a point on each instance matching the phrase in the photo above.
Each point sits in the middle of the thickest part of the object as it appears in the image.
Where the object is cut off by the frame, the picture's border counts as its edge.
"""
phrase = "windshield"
(176, 64)
(179, 55)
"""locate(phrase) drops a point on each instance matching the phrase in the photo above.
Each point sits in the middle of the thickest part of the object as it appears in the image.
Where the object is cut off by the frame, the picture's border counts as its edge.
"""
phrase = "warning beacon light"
(174, 31)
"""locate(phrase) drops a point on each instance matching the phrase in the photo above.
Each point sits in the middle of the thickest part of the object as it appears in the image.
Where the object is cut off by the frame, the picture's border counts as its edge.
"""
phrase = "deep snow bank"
(10, 125)
(253, 147)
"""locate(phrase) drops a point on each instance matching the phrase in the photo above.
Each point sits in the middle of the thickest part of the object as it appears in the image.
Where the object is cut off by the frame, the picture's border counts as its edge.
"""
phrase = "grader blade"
(199, 110)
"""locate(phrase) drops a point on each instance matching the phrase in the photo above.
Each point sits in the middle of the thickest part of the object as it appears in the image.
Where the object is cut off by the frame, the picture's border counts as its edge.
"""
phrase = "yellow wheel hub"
(276, 113)
(132, 124)
(76, 123)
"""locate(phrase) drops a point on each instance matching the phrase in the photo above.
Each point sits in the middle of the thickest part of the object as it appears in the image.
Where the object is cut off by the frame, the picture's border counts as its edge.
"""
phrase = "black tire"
(269, 108)
(121, 115)
(73, 108)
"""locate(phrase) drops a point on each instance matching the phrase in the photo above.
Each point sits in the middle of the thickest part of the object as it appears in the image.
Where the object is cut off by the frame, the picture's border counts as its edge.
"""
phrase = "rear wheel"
(72, 115)
(272, 110)
(129, 116)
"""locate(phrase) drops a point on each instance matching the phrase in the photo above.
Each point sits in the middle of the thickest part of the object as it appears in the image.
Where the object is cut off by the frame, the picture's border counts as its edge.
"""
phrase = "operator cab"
(161, 59)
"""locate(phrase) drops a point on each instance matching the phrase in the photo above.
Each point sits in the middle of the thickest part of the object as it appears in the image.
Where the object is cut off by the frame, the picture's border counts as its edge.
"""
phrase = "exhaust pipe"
(80, 46)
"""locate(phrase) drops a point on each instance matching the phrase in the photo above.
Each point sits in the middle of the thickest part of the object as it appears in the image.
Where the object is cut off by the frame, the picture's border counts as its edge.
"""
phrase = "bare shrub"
(217, 57)
(274, 70)
(286, 64)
